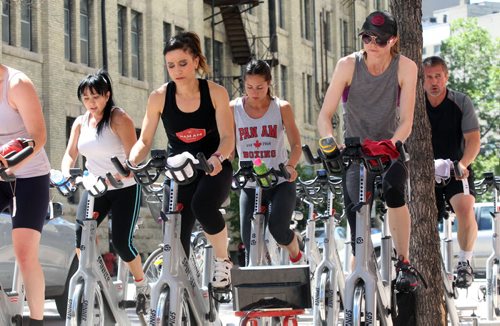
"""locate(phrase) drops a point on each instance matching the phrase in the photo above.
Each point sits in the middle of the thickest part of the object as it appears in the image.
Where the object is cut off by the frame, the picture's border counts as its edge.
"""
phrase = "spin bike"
(329, 279)
(490, 182)
(367, 296)
(12, 302)
(179, 296)
(450, 289)
(264, 250)
(93, 297)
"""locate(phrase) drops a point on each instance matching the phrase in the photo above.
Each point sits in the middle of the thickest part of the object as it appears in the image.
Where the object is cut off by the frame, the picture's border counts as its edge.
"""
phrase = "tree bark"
(424, 240)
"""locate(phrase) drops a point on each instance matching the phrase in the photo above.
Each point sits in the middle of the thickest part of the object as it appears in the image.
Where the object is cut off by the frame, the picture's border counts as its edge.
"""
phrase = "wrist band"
(293, 167)
(219, 156)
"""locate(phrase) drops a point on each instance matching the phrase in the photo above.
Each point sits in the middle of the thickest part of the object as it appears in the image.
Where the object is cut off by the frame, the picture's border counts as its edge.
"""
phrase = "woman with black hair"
(102, 132)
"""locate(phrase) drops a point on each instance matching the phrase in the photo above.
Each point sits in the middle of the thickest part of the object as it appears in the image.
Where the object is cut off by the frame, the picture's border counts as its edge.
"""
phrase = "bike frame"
(264, 250)
(12, 302)
(365, 279)
(179, 279)
(493, 261)
(92, 278)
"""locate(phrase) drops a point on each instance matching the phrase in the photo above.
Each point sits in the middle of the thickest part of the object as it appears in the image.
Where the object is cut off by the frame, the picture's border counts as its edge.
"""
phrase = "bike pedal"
(140, 305)
(125, 304)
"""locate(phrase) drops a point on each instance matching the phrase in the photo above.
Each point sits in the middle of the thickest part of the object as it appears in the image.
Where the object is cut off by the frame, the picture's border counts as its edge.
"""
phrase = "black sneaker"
(465, 275)
(407, 276)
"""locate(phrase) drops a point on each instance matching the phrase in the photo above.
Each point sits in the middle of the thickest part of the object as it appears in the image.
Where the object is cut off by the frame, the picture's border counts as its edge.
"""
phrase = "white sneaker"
(222, 273)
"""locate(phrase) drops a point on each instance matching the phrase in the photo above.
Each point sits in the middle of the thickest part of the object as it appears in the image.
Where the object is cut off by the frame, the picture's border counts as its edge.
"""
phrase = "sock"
(464, 256)
(35, 322)
(297, 258)
(141, 282)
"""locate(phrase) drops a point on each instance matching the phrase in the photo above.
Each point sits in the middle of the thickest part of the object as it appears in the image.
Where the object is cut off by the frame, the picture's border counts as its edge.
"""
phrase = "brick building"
(58, 42)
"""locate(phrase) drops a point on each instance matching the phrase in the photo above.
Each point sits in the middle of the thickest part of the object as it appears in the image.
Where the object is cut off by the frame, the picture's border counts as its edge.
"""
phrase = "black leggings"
(282, 200)
(393, 188)
(32, 201)
(201, 200)
(125, 205)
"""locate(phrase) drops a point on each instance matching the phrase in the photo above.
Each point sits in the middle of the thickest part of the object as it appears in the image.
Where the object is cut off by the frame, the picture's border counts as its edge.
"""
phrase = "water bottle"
(92, 183)
(329, 149)
(177, 161)
(57, 179)
(260, 168)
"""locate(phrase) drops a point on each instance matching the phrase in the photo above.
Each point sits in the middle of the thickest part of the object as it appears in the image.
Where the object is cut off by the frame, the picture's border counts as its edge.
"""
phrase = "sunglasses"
(367, 39)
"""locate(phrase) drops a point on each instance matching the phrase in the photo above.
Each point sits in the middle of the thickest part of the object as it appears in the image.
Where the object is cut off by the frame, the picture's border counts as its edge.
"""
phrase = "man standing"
(455, 136)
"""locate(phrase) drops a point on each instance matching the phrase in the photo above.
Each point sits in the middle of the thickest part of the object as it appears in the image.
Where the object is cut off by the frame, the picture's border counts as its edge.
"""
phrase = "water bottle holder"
(175, 171)
(267, 180)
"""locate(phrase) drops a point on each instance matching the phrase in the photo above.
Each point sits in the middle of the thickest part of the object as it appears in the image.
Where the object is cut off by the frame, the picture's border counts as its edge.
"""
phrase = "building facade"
(57, 42)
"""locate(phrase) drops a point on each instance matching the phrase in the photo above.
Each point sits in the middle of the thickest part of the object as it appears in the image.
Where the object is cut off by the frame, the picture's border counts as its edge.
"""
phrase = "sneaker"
(299, 260)
(407, 275)
(465, 275)
(222, 273)
(142, 297)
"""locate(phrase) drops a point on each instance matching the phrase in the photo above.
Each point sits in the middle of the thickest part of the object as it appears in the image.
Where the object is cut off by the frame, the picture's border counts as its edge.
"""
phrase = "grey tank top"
(371, 103)
(12, 127)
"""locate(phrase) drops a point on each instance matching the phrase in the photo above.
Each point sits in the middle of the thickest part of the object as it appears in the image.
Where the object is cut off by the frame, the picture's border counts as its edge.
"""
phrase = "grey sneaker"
(222, 273)
(142, 297)
(465, 275)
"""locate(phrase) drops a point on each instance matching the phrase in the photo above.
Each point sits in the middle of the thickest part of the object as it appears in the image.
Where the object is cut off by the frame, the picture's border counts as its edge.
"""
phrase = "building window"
(308, 98)
(306, 23)
(327, 26)
(284, 81)
(167, 34)
(135, 33)
(178, 30)
(67, 29)
(26, 25)
(437, 49)
(6, 21)
(281, 14)
(424, 51)
(84, 32)
(218, 60)
(344, 32)
(121, 37)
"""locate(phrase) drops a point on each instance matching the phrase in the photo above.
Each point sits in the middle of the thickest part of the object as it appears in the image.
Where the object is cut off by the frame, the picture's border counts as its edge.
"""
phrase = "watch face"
(327, 143)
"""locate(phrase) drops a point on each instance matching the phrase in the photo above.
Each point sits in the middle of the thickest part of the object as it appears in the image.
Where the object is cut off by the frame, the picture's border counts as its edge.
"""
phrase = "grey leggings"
(282, 200)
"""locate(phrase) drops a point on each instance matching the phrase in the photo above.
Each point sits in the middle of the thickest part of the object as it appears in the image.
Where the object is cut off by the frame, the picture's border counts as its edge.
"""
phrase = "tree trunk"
(424, 241)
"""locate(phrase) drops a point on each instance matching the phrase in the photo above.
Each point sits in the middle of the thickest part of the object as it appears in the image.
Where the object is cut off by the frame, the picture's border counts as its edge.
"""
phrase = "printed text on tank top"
(190, 105)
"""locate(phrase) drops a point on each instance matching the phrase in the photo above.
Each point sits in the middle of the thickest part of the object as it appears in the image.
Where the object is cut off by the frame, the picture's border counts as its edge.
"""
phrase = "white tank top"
(262, 138)
(98, 150)
(12, 127)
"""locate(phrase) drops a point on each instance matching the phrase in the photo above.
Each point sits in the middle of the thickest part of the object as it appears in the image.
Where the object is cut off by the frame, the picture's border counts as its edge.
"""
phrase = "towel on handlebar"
(442, 169)
(12, 147)
(383, 147)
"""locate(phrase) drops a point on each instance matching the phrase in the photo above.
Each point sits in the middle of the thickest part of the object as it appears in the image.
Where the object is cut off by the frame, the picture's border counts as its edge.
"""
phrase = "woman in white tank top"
(102, 132)
(28, 196)
(261, 123)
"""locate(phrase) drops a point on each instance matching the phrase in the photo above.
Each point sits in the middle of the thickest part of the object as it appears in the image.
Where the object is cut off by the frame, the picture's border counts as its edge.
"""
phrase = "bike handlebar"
(15, 159)
(486, 184)
(158, 162)
(267, 180)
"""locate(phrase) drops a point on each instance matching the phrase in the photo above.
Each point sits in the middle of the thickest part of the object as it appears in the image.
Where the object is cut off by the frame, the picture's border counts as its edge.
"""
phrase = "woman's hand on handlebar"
(292, 172)
(216, 164)
(3, 161)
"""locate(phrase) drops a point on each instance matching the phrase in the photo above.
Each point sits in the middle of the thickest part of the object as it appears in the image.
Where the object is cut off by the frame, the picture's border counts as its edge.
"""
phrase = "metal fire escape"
(231, 13)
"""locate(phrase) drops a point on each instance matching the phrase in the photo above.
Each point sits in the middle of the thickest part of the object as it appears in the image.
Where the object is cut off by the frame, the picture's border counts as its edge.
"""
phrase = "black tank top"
(193, 132)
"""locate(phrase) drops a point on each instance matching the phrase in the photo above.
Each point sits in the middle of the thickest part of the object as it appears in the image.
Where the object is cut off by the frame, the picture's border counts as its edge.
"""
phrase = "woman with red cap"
(377, 86)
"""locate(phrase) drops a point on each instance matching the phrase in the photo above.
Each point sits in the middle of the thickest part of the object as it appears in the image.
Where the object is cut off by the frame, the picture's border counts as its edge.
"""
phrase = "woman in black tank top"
(196, 116)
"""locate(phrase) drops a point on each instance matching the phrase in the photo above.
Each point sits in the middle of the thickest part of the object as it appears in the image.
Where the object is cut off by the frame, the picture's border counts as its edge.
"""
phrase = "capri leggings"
(201, 200)
(32, 201)
(125, 205)
(393, 187)
(282, 200)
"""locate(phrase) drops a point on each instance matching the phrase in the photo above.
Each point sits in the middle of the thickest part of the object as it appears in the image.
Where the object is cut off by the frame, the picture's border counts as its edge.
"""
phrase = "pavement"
(470, 304)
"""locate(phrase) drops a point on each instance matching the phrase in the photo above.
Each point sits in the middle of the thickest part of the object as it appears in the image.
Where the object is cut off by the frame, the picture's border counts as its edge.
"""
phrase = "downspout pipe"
(104, 36)
(319, 99)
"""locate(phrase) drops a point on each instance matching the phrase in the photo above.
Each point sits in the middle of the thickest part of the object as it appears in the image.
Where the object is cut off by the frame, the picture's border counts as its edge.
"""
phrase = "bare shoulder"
(285, 105)
(406, 65)
(218, 93)
(119, 115)
(157, 97)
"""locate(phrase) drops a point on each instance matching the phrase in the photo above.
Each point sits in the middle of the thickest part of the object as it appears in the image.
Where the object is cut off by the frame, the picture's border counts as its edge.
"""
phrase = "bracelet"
(219, 156)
